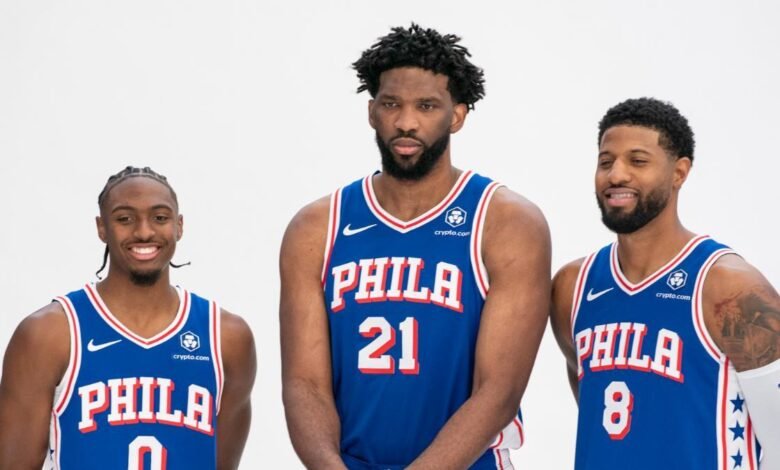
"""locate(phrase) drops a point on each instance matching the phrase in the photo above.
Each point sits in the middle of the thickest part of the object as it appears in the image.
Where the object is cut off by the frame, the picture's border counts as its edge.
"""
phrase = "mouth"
(619, 197)
(145, 252)
(405, 146)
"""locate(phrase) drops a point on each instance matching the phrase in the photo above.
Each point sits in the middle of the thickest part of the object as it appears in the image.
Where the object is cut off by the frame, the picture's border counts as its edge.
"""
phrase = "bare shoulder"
(237, 338)
(563, 285)
(742, 313)
(41, 342)
(308, 229)
(509, 210)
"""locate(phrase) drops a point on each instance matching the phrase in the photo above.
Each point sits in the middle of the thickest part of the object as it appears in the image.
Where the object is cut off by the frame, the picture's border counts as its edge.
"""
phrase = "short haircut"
(676, 136)
(133, 172)
(427, 49)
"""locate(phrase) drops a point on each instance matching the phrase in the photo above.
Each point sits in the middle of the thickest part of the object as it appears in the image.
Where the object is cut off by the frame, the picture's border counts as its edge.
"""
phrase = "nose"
(618, 173)
(406, 120)
(144, 230)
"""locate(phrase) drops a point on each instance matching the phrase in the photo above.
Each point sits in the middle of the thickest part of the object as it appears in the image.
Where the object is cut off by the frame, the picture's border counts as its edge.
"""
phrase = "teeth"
(621, 195)
(144, 250)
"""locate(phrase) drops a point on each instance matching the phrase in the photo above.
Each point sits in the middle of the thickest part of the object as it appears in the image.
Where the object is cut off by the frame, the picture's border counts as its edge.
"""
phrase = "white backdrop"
(249, 108)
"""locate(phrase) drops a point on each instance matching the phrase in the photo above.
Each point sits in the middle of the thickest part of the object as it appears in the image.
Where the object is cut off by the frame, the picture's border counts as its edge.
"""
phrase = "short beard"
(428, 159)
(145, 279)
(645, 211)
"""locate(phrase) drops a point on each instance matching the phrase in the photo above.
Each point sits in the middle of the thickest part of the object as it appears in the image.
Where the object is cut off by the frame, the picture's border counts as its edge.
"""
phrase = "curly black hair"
(676, 136)
(429, 50)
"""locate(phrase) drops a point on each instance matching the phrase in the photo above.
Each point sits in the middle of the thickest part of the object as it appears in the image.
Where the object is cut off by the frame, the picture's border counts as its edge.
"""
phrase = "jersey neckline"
(631, 288)
(176, 324)
(405, 226)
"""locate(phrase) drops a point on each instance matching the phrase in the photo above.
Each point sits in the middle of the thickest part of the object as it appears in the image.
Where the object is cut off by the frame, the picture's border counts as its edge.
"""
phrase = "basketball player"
(130, 372)
(412, 299)
(670, 337)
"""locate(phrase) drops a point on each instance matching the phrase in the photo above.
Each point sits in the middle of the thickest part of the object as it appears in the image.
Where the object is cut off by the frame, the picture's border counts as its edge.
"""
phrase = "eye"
(605, 163)
(638, 161)
(427, 106)
(124, 219)
(389, 104)
(161, 218)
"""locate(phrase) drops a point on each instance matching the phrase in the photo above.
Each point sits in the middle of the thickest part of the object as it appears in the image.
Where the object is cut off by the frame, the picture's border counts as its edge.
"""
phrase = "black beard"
(430, 155)
(646, 210)
(147, 278)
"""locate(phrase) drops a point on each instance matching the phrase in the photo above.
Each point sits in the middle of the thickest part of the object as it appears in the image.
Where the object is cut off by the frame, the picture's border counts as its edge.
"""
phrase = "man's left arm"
(742, 315)
(235, 413)
(516, 253)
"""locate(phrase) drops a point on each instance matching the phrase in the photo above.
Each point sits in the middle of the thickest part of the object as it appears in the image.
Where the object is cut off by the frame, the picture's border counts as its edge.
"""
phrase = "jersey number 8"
(618, 404)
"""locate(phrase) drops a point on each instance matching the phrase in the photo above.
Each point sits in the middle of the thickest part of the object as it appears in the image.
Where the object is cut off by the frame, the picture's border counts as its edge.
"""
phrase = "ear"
(459, 112)
(101, 228)
(371, 120)
(682, 166)
(179, 227)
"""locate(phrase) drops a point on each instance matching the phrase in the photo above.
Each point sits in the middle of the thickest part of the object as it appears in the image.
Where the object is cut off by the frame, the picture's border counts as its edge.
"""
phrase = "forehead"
(622, 136)
(139, 192)
(413, 82)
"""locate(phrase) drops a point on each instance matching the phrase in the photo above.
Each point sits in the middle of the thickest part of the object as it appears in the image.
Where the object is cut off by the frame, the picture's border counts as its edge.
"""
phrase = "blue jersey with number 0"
(138, 403)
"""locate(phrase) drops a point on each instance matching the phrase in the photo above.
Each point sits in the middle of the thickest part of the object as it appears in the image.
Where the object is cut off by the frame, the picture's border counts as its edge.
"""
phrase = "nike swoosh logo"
(92, 347)
(591, 296)
(348, 232)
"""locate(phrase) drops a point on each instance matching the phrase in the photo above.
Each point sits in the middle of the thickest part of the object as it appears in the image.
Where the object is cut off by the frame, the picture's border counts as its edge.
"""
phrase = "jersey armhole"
(697, 309)
(334, 222)
(215, 331)
(64, 389)
(579, 289)
(477, 227)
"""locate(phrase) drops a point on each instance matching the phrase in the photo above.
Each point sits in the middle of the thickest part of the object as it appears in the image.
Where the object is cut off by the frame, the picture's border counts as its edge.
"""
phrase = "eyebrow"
(131, 208)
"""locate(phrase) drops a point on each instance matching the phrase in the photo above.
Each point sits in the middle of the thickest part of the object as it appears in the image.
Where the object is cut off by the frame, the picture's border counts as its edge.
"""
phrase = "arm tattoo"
(749, 325)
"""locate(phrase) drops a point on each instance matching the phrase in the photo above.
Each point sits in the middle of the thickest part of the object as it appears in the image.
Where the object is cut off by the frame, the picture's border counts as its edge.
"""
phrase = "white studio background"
(249, 108)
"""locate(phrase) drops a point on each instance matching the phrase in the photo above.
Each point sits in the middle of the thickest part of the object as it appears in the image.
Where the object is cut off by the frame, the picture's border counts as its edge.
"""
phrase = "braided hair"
(115, 179)
(427, 49)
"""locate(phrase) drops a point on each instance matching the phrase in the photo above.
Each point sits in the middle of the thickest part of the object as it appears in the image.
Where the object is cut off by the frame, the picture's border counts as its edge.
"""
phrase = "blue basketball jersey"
(138, 403)
(404, 302)
(654, 390)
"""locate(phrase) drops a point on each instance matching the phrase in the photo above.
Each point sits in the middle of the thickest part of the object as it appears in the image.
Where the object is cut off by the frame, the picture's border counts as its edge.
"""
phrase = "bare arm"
(742, 315)
(516, 247)
(560, 318)
(235, 413)
(312, 420)
(34, 363)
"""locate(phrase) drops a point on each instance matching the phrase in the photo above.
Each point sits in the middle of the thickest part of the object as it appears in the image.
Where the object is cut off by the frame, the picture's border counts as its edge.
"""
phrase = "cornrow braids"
(429, 50)
(115, 179)
(132, 172)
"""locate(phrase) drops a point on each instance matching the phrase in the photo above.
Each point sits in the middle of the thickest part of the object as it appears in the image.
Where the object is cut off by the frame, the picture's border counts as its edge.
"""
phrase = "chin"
(145, 278)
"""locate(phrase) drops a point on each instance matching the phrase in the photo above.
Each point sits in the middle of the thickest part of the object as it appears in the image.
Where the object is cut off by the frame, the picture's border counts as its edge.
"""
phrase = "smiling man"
(414, 299)
(130, 372)
(670, 338)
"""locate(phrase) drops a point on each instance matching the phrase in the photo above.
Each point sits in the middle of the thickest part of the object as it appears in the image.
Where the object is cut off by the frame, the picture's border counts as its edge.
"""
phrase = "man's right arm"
(312, 420)
(560, 317)
(34, 363)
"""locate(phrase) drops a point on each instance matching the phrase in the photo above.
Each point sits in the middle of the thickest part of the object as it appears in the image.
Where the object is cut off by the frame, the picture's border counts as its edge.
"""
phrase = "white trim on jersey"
(176, 325)
(502, 459)
(760, 389)
(477, 227)
(334, 221)
(730, 418)
(64, 389)
(215, 333)
(511, 437)
(697, 309)
(579, 288)
(629, 287)
(405, 226)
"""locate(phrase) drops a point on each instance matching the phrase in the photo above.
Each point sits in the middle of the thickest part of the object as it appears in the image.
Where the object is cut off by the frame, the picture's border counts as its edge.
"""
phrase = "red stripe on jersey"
(392, 221)
(77, 349)
(332, 232)
(161, 337)
(724, 391)
(627, 285)
(476, 236)
(698, 294)
(217, 353)
(579, 286)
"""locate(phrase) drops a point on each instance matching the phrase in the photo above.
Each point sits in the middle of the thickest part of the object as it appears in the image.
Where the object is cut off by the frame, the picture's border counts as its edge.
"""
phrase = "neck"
(142, 308)
(407, 199)
(643, 252)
